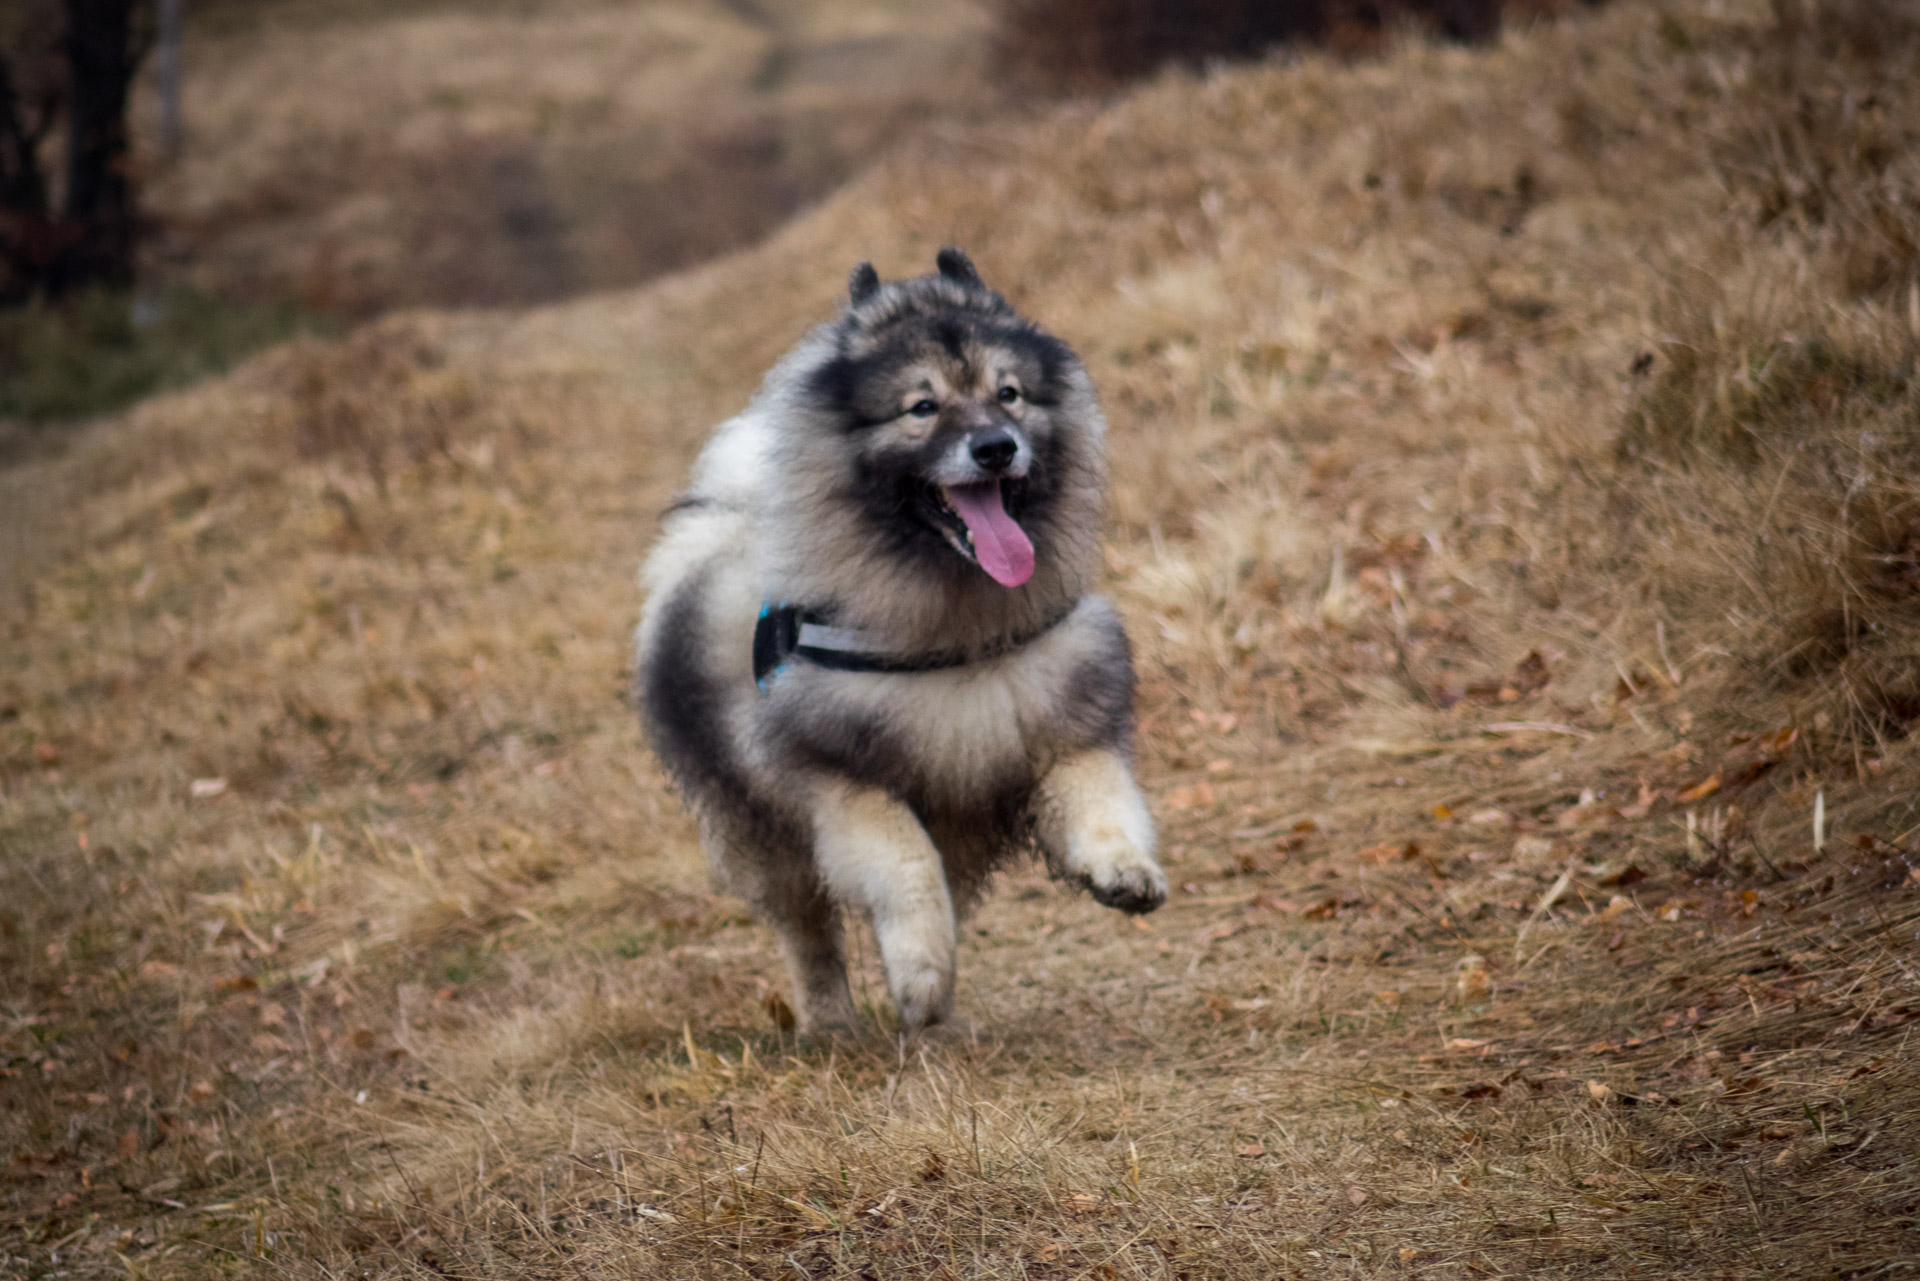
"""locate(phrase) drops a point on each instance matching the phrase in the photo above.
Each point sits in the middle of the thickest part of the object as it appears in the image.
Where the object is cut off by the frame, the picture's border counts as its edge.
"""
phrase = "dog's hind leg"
(873, 853)
(809, 930)
(1095, 831)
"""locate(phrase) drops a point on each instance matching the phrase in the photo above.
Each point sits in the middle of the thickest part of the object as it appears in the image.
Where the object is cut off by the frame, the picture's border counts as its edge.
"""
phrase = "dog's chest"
(953, 735)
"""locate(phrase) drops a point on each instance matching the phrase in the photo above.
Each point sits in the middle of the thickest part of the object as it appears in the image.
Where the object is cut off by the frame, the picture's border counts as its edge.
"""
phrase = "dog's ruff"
(868, 655)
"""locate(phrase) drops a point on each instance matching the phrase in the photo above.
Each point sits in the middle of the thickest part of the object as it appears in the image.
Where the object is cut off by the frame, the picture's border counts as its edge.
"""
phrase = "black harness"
(786, 632)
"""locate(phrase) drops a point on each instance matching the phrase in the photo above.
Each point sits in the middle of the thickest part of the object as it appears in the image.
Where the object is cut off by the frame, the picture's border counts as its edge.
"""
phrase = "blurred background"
(259, 167)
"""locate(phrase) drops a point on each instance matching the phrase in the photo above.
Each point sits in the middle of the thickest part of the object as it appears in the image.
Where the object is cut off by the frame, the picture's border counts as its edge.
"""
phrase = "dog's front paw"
(923, 996)
(1133, 883)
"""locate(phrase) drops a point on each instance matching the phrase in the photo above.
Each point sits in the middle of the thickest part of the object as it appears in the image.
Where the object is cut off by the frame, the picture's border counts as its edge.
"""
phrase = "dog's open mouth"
(974, 519)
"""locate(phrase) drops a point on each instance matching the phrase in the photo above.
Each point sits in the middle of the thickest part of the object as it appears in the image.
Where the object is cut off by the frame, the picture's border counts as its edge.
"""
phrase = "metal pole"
(167, 71)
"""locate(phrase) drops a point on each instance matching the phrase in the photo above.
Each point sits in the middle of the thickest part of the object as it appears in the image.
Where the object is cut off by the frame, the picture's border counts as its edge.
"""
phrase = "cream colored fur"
(875, 855)
(1094, 825)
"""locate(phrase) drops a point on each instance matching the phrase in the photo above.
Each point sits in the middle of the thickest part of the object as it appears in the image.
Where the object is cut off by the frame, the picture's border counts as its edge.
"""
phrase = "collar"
(786, 632)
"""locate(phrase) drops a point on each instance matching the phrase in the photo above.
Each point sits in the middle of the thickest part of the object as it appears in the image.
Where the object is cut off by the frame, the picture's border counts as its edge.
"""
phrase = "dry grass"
(1081, 45)
(1491, 692)
(364, 158)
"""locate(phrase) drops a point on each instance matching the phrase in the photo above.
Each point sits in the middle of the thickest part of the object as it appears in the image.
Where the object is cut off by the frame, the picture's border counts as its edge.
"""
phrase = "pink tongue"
(1001, 546)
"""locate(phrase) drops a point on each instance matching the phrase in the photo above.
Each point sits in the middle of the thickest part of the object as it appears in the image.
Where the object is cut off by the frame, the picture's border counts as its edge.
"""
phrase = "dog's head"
(961, 430)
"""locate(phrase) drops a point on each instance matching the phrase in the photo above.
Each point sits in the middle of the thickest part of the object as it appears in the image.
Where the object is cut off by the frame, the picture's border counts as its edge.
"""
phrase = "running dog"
(868, 655)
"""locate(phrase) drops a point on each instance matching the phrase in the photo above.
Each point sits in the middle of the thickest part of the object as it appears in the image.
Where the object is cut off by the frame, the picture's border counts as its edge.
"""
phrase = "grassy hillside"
(1514, 511)
(361, 157)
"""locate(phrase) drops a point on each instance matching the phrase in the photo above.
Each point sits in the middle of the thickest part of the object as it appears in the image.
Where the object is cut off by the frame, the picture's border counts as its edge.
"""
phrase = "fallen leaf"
(1585, 814)
(203, 788)
(1403, 851)
(1467, 1043)
(1600, 1091)
(1617, 905)
(1190, 796)
(1532, 848)
(1705, 787)
(1740, 1087)
(1253, 1149)
(200, 1091)
(1408, 1254)
(1631, 874)
(1356, 1194)
(1530, 673)
(1470, 978)
(128, 1145)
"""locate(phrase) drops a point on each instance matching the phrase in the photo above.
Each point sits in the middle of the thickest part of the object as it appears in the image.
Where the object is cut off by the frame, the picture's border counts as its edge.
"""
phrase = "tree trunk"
(99, 210)
(167, 38)
(25, 236)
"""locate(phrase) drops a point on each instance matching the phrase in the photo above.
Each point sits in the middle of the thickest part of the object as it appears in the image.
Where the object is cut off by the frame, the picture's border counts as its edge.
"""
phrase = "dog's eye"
(923, 409)
(1009, 394)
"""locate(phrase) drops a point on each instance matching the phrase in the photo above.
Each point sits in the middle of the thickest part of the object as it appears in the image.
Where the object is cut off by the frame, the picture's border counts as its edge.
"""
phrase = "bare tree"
(167, 41)
(71, 63)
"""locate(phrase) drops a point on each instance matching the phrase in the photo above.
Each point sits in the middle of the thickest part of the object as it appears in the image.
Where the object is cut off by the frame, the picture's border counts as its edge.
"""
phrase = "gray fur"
(898, 794)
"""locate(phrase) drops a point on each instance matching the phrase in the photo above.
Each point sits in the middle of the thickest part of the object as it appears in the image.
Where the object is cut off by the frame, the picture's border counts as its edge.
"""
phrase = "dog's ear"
(957, 267)
(863, 283)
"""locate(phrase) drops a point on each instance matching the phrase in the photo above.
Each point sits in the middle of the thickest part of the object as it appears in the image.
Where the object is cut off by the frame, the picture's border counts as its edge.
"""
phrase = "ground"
(361, 157)
(1513, 513)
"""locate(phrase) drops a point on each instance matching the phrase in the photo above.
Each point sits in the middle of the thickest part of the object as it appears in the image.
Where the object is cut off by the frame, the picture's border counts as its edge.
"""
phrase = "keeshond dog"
(868, 656)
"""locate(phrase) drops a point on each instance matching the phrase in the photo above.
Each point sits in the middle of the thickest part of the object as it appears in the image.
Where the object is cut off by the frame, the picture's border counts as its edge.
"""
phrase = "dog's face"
(954, 418)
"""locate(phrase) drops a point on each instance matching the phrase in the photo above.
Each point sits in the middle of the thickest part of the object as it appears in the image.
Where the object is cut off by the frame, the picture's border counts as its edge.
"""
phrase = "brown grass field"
(362, 155)
(1516, 514)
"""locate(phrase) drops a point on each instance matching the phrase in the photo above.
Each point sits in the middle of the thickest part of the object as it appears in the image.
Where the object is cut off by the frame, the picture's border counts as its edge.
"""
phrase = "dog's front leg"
(809, 930)
(873, 853)
(1095, 831)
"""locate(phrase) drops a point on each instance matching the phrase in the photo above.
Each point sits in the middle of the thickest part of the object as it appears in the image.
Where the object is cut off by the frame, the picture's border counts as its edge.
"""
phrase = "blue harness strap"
(775, 638)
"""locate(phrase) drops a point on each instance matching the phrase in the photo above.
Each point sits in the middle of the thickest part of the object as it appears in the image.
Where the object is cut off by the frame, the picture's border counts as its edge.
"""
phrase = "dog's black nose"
(994, 450)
